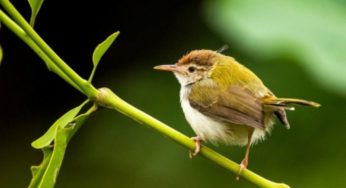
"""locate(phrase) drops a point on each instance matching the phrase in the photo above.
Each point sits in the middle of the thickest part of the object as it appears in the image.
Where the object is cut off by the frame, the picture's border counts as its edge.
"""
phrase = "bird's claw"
(198, 142)
(242, 166)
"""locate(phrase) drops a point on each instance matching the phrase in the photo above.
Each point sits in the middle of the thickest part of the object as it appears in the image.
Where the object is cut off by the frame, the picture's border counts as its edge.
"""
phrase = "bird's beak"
(172, 68)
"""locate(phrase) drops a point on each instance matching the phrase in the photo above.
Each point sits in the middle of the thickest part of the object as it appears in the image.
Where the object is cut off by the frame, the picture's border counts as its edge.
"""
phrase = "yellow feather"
(228, 72)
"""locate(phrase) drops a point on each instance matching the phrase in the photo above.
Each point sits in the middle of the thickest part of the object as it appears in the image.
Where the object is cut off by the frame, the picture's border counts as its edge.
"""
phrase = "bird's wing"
(236, 104)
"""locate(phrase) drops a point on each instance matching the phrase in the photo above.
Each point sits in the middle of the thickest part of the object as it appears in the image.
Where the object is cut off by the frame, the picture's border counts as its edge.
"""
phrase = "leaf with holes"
(49, 136)
(46, 173)
(38, 171)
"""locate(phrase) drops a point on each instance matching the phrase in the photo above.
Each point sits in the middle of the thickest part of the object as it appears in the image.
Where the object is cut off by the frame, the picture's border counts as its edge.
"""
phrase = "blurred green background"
(298, 48)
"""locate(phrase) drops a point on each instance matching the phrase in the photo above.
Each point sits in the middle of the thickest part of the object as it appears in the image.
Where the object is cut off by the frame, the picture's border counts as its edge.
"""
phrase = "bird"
(225, 102)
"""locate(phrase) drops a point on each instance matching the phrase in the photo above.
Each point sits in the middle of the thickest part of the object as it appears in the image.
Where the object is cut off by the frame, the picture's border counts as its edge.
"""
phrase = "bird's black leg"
(245, 161)
(198, 141)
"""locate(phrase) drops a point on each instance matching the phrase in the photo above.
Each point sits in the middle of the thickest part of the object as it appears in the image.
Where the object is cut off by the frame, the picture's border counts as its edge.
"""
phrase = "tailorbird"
(225, 102)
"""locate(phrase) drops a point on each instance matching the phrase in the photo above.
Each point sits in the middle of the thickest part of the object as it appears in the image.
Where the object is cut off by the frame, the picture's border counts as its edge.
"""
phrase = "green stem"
(22, 35)
(92, 75)
(108, 99)
(82, 84)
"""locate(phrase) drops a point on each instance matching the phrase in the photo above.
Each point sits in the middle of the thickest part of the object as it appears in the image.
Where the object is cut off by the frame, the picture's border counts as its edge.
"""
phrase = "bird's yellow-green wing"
(236, 104)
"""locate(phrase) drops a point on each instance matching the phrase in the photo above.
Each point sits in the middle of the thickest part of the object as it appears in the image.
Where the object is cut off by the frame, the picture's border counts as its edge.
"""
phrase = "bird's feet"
(198, 142)
(242, 166)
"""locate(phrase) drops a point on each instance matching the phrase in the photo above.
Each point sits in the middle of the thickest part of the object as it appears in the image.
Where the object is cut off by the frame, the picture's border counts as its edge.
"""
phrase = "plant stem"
(22, 35)
(92, 75)
(108, 99)
(82, 84)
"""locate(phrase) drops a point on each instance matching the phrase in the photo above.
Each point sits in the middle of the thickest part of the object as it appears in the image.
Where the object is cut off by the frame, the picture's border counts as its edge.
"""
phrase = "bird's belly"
(218, 132)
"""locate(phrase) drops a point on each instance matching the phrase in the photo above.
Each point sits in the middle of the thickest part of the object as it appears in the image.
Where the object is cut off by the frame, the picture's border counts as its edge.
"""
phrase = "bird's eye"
(191, 69)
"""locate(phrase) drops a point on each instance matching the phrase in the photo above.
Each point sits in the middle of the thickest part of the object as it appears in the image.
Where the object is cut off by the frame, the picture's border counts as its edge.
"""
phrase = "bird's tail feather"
(279, 105)
(284, 102)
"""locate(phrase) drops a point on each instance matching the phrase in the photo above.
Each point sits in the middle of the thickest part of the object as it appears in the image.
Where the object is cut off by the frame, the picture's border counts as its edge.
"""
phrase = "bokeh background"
(298, 48)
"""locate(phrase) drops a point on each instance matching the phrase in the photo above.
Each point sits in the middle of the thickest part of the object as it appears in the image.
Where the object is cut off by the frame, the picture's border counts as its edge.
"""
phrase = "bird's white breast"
(214, 131)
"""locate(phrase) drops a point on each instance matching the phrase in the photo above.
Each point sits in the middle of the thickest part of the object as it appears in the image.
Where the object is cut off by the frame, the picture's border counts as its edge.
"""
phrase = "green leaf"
(45, 175)
(100, 50)
(313, 32)
(52, 170)
(49, 136)
(35, 6)
(103, 47)
(38, 171)
(1, 55)
(77, 122)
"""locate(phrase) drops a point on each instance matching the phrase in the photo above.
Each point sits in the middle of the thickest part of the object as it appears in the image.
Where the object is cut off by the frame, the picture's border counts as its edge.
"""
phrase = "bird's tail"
(284, 102)
(279, 105)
